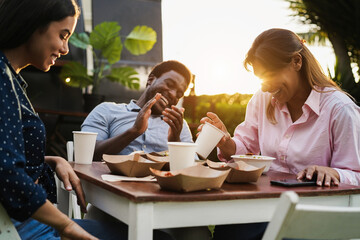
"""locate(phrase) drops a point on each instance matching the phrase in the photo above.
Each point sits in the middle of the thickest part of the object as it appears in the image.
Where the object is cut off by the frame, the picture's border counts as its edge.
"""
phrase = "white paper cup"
(181, 155)
(208, 138)
(84, 146)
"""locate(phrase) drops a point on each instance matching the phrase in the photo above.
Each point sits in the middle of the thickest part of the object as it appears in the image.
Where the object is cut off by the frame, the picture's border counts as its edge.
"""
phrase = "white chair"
(67, 201)
(7, 229)
(300, 221)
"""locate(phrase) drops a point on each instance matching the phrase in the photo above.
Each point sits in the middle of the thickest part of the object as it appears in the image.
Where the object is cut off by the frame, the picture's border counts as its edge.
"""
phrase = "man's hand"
(324, 175)
(117, 143)
(174, 118)
(141, 122)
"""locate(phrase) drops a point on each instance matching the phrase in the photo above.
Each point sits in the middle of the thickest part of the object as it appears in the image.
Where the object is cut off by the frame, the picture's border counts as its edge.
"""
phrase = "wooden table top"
(151, 191)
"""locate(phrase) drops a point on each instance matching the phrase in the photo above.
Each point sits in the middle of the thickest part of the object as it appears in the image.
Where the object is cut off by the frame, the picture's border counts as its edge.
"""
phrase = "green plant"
(212, 230)
(106, 45)
(230, 108)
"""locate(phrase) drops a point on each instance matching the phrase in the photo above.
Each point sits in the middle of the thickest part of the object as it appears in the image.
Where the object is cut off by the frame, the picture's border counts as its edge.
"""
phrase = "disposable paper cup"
(181, 155)
(208, 138)
(84, 146)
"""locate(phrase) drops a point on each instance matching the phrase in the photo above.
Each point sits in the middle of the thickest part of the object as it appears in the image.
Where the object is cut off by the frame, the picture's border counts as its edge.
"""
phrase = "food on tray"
(240, 171)
(132, 165)
(255, 160)
(190, 179)
(168, 174)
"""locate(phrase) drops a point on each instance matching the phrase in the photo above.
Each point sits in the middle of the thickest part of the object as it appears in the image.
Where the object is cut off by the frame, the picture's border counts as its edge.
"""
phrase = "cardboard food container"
(133, 165)
(240, 171)
(190, 179)
(160, 157)
(255, 160)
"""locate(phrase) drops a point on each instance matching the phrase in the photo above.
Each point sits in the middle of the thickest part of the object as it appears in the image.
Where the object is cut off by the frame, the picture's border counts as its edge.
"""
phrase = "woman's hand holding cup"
(226, 144)
(213, 119)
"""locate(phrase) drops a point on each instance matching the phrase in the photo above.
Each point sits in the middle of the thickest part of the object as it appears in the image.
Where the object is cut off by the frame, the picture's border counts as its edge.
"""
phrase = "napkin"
(116, 178)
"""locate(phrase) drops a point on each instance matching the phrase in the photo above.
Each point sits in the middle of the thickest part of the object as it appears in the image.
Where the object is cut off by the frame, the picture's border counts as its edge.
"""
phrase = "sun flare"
(212, 40)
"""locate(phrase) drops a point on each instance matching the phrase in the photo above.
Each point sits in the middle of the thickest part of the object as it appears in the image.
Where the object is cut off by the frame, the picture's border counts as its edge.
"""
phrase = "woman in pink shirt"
(300, 116)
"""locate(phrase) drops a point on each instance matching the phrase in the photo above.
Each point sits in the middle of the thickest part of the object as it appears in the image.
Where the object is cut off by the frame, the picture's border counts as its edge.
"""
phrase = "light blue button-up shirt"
(112, 119)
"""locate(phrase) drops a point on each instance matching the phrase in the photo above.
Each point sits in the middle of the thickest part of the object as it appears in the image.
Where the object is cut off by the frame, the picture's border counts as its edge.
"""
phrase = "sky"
(211, 37)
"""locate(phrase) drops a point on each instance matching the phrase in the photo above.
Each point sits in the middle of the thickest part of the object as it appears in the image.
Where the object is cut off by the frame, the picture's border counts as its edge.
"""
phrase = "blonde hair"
(274, 50)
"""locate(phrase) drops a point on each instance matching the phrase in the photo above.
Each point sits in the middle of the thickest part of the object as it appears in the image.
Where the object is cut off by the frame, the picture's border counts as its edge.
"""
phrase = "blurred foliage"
(106, 44)
(212, 230)
(230, 108)
(338, 21)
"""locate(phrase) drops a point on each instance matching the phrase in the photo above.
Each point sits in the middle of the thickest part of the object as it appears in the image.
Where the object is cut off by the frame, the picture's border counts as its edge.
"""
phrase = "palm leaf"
(112, 52)
(314, 38)
(76, 73)
(105, 37)
(104, 33)
(80, 40)
(140, 40)
(125, 76)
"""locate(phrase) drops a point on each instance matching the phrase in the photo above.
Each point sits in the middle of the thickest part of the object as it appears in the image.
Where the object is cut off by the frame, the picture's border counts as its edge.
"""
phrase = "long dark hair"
(19, 19)
(274, 50)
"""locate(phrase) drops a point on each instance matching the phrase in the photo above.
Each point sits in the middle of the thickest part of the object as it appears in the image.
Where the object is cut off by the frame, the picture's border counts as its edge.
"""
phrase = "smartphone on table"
(293, 182)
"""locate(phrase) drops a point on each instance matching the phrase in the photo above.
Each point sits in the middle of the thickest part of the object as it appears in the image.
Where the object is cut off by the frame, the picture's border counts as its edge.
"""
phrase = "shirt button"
(282, 157)
(144, 146)
(287, 136)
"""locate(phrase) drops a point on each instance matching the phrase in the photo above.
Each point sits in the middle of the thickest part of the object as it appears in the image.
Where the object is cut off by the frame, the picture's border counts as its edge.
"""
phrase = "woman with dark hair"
(301, 117)
(35, 32)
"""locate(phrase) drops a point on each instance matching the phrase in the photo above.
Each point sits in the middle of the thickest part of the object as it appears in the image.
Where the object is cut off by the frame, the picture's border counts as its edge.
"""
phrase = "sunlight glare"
(212, 37)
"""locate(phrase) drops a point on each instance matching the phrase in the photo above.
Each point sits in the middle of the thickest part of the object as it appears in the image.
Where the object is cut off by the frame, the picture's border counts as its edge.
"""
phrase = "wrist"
(52, 216)
(227, 141)
(228, 148)
(63, 222)
(52, 161)
(174, 139)
(133, 132)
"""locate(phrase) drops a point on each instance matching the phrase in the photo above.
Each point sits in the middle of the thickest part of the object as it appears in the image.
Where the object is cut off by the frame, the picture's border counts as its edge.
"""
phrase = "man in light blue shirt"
(148, 123)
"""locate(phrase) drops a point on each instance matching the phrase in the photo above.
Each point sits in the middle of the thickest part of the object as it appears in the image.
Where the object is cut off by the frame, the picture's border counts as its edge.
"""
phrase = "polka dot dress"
(22, 147)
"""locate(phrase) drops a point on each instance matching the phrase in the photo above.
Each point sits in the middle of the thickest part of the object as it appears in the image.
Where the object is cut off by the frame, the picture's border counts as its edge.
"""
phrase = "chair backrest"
(300, 221)
(67, 201)
(7, 229)
(70, 151)
(74, 209)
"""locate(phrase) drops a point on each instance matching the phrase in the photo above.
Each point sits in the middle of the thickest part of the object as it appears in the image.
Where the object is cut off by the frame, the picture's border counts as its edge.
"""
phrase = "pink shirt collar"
(313, 102)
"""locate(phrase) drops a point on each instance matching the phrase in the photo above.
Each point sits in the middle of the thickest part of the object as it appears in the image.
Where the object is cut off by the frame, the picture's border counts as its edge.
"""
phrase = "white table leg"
(354, 200)
(141, 216)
